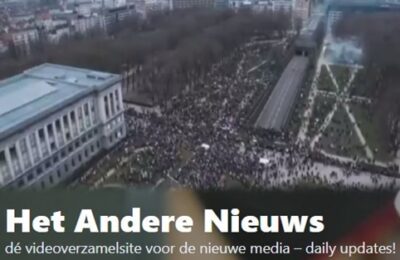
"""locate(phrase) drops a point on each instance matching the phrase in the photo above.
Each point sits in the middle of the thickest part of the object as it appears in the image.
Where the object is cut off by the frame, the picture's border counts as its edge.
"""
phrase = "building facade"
(274, 5)
(113, 3)
(113, 16)
(282, 5)
(302, 9)
(84, 25)
(53, 120)
(241, 3)
(156, 5)
(221, 4)
(22, 40)
(59, 32)
(184, 4)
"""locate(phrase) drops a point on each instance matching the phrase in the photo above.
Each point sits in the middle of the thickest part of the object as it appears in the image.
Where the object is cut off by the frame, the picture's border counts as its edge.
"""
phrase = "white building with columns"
(53, 120)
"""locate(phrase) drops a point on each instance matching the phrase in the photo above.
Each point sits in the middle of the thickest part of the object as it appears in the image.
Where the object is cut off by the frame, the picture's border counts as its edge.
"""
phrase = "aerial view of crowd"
(202, 139)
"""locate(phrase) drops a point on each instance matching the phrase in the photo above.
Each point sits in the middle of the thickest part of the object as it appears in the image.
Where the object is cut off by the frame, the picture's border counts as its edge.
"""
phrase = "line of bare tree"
(133, 39)
(166, 51)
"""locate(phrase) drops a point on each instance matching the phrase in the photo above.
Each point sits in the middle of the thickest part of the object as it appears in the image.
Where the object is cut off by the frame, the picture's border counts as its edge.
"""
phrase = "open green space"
(360, 86)
(342, 75)
(325, 81)
(322, 106)
(340, 138)
(371, 132)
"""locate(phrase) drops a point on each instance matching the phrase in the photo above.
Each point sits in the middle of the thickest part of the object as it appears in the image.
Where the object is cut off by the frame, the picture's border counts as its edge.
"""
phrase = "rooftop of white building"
(40, 91)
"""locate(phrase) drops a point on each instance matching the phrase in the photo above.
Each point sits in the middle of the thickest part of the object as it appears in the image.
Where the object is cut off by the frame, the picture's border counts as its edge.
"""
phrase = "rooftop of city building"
(43, 90)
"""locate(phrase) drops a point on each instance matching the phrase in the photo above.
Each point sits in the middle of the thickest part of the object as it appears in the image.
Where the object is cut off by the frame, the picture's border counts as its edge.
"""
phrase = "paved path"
(360, 135)
(333, 78)
(341, 95)
(343, 98)
(327, 122)
(357, 130)
(257, 67)
(360, 99)
(302, 135)
(272, 42)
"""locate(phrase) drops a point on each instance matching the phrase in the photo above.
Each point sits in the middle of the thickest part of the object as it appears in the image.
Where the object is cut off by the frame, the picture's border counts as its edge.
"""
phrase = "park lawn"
(342, 75)
(340, 138)
(322, 106)
(371, 132)
(359, 86)
(325, 81)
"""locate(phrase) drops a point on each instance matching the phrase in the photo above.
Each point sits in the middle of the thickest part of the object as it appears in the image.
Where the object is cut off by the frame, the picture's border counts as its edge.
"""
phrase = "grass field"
(342, 75)
(371, 132)
(322, 106)
(325, 81)
(340, 138)
(360, 87)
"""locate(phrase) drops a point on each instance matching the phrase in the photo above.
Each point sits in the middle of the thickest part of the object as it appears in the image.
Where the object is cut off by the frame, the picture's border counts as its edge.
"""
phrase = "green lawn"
(359, 87)
(322, 106)
(340, 138)
(342, 75)
(371, 132)
(325, 81)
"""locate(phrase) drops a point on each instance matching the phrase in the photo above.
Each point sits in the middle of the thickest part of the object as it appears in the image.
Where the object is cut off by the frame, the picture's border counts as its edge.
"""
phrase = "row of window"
(45, 141)
(114, 122)
(70, 164)
(118, 134)
(77, 159)
(3, 166)
(112, 103)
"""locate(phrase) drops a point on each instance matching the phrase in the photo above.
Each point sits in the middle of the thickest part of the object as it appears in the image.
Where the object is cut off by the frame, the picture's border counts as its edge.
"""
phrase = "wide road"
(276, 111)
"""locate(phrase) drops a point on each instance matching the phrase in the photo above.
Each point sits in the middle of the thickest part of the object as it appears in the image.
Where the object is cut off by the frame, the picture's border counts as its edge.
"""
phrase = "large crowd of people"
(201, 138)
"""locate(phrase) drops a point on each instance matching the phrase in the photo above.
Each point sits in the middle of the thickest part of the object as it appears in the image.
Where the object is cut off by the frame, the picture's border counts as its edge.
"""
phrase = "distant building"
(184, 4)
(367, 5)
(44, 20)
(241, 3)
(13, 7)
(84, 8)
(140, 7)
(113, 16)
(20, 21)
(22, 40)
(84, 25)
(59, 32)
(114, 3)
(274, 5)
(53, 120)
(156, 5)
(221, 3)
(282, 5)
(333, 17)
(302, 9)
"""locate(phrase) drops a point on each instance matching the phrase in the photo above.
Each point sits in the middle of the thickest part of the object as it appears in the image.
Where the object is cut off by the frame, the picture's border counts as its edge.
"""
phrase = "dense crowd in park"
(201, 139)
